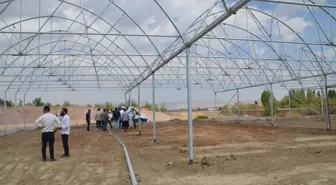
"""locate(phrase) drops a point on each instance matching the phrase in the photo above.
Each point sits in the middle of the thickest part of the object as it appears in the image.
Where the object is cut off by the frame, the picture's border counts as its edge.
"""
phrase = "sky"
(222, 67)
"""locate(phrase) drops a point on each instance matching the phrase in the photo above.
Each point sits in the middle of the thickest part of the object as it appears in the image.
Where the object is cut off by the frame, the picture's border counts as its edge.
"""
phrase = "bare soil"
(224, 154)
(96, 158)
(240, 154)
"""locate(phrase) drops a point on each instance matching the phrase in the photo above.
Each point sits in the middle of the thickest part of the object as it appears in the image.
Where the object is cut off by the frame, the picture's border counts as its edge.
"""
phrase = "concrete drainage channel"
(129, 165)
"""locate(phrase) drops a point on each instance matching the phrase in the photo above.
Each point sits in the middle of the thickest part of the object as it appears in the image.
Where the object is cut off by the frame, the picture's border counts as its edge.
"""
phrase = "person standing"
(49, 124)
(125, 120)
(97, 118)
(116, 117)
(65, 131)
(88, 119)
(104, 119)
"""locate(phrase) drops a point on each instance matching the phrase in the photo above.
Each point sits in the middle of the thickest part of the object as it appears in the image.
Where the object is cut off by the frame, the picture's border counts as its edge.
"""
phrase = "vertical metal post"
(5, 112)
(24, 111)
(238, 104)
(129, 99)
(271, 102)
(327, 103)
(125, 99)
(15, 110)
(139, 120)
(322, 100)
(289, 100)
(153, 107)
(215, 106)
(190, 121)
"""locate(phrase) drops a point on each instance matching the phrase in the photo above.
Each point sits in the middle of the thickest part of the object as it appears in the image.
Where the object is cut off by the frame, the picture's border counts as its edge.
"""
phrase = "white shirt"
(65, 120)
(124, 116)
(49, 121)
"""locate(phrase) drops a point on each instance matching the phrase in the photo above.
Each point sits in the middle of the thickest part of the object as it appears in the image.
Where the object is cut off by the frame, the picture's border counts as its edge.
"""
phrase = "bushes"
(201, 117)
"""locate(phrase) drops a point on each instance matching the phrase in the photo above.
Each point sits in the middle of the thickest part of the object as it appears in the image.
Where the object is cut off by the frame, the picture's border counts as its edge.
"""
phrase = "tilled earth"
(240, 154)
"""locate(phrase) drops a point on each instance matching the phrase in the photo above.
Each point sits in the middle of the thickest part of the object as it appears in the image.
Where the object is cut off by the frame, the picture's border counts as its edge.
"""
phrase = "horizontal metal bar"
(297, 3)
(59, 32)
(279, 81)
(270, 41)
(216, 22)
(151, 55)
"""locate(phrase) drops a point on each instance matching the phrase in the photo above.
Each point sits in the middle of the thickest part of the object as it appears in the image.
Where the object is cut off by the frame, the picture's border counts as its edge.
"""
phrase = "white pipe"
(271, 101)
(327, 103)
(238, 105)
(15, 110)
(5, 112)
(189, 94)
(24, 111)
(128, 161)
(153, 108)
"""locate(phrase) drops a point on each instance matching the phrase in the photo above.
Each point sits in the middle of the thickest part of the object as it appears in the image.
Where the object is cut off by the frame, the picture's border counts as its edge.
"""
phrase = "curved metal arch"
(228, 58)
(104, 69)
(150, 40)
(70, 32)
(76, 50)
(209, 47)
(170, 20)
(293, 32)
(35, 70)
(113, 26)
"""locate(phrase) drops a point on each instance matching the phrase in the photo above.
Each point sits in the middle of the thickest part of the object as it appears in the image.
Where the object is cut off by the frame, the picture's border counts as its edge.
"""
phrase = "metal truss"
(231, 47)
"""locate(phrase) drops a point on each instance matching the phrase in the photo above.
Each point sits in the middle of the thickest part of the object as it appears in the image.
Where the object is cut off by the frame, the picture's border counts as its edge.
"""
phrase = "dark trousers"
(120, 123)
(125, 125)
(48, 137)
(98, 124)
(104, 125)
(65, 138)
(88, 125)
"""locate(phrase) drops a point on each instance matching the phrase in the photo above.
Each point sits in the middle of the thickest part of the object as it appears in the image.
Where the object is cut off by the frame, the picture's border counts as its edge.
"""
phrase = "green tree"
(57, 105)
(284, 102)
(265, 100)
(88, 105)
(66, 104)
(310, 96)
(318, 94)
(163, 108)
(109, 106)
(48, 104)
(37, 102)
(148, 105)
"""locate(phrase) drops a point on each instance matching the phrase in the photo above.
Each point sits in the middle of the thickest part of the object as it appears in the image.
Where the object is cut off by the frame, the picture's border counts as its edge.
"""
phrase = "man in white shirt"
(65, 131)
(49, 124)
(125, 120)
(97, 118)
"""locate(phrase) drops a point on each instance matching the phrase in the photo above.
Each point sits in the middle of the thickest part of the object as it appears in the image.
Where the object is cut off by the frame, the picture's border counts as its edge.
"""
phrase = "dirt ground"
(240, 154)
(96, 158)
(225, 154)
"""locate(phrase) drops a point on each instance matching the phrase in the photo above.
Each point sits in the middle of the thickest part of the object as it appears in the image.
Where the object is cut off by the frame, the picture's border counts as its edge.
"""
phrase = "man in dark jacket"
(116, 117)
(88, 119)
(105, 118)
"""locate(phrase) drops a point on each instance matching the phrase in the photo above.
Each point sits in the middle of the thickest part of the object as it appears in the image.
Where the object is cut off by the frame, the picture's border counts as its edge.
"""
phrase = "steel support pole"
(129, 98)
(139, 120)
(5, 112)
(153, 108)
(327, 103)
(322, 104)
(189, 94)
(215, 99)
(15, 110)
(271, 102)
(238, 104)
(24, 111)
(289, 100)
(125, 99)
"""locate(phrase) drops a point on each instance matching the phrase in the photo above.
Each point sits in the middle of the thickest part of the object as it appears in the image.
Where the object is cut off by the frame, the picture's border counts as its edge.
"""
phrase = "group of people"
(50, 123)
(121, 118)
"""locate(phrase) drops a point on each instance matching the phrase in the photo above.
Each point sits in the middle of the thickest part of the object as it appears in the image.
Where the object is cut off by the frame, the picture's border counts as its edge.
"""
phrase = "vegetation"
(201, 117)
(48, 104)
(8, 103)
(66, 104)
(266, 102)
(37, 102)
(163, 108)
(148, 105)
